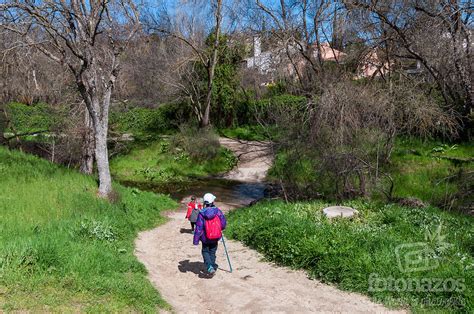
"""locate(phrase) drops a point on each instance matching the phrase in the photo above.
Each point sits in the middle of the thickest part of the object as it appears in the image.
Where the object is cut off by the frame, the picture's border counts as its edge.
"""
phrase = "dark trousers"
(209, 254)
(192, 225)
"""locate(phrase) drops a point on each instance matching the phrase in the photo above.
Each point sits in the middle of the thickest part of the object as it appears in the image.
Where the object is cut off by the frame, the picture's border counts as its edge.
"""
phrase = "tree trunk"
(212, 65)
(102, 158)
(207, 112)
(99, 114)
(88, 146)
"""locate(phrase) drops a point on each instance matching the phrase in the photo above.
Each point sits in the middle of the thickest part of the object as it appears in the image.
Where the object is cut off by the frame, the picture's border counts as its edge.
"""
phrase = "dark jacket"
(206, 214)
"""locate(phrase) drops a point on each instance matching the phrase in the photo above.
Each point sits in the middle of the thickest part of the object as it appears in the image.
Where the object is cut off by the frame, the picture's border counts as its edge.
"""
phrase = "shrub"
(346, 136)
(251, 112)
(145, 121)
(97, 230)
(200, 144)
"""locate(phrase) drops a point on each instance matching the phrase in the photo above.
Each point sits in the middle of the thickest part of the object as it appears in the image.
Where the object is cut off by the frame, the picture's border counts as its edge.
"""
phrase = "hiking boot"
(215, 266)
(211, 270)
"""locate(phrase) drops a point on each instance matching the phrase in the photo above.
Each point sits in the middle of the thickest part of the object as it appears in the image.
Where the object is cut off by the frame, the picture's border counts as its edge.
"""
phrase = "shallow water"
(233, 193)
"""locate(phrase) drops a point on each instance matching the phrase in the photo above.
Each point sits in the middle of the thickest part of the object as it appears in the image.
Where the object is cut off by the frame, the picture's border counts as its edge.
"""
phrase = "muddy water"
(232, 193)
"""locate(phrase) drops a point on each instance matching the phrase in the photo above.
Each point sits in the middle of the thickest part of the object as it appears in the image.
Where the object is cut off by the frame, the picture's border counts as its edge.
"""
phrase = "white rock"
(339, 211)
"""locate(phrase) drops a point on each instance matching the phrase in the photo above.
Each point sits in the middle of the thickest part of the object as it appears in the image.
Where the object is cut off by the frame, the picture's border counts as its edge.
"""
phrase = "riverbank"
(63, 249)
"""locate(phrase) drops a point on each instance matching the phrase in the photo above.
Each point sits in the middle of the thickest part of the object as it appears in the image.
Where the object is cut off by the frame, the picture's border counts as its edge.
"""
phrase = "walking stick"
(226, 253)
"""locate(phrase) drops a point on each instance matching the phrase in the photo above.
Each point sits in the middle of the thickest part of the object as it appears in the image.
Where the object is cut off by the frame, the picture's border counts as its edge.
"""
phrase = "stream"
(232, 193)
(238, 188)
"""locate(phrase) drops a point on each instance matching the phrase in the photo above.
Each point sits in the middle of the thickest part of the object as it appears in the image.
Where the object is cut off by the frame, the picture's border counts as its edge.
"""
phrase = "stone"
(339, 211)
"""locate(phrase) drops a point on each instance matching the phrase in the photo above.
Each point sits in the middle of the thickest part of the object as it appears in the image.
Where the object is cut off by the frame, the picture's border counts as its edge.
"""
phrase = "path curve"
(175, 267)
(254, 159)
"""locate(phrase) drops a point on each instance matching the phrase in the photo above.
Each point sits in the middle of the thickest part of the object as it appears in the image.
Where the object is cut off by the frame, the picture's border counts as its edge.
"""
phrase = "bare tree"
(195, 40)
(211, 65)
(436, 34)
(28, 76)
(88, 37)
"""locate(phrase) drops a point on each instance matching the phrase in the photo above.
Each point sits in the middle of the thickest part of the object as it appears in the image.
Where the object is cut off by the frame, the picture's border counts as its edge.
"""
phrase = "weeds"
(97, 230)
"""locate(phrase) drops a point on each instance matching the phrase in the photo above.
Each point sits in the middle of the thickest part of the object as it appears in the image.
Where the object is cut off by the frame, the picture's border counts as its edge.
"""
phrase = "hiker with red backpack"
(209, 225)
(194, 208)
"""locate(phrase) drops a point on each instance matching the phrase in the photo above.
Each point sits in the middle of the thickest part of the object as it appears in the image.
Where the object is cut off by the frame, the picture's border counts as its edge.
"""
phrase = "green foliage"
(230, 160)
(249, 112)
(351, 253)
(428, 169)
(444, 148)
(275, 89)
(26, 119)
(144, 122)
(226, 79)
(431, 171)
(97, 230)
(284, 100)
(65, 250)
(247, 132)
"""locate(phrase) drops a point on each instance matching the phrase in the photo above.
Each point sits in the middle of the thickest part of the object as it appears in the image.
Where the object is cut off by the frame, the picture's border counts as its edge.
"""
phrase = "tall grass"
(62, 248)
(421, 169)
(361, 254)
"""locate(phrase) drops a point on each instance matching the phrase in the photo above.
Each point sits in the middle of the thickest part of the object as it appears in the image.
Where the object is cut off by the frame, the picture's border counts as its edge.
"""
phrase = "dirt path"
(254, 159)
(175, 267)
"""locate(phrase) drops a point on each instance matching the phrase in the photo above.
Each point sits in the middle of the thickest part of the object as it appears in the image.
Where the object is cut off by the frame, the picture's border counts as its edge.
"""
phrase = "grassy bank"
(158, 162)
(346, 252)
(64, 249)
(430, 170)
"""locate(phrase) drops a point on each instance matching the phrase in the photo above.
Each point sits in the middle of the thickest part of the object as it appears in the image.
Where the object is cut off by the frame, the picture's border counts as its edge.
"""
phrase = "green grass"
(63, 249)
(248, 132)
(347, 252)
(155, 162)
(419, 168)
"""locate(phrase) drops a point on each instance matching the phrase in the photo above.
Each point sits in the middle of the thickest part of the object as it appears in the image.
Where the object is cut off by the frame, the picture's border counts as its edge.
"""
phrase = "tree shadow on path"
(195, 268)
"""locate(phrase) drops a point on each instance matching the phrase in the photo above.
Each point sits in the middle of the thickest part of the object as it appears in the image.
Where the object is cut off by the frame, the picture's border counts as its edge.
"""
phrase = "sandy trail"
(254, 159)
(176, 269)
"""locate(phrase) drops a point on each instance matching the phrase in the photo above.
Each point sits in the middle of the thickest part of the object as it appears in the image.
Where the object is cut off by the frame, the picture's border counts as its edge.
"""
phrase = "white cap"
(208, 197)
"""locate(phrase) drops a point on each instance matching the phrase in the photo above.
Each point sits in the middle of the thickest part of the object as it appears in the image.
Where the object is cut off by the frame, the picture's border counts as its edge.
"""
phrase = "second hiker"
(193, 210)
(209, 225)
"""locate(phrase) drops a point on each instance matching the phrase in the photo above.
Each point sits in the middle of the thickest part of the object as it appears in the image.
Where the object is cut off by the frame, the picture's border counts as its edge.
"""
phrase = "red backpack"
(213, 228)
